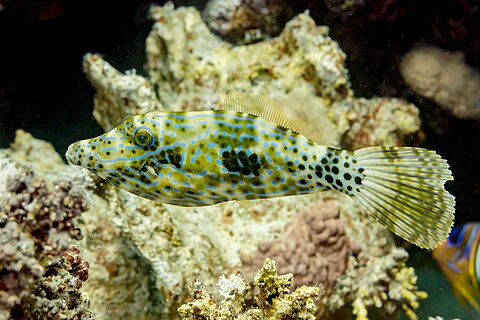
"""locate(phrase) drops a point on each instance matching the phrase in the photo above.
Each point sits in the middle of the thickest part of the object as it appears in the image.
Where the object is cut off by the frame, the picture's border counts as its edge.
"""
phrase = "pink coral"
(314, 247)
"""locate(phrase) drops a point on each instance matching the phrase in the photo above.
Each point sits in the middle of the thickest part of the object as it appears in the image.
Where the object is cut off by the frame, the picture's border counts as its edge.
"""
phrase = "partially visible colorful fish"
(459, 259)
(251, 150)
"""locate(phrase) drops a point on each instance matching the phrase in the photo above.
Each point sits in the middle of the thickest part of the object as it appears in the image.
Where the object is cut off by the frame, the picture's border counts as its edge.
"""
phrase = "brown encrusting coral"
(40, 274)
(314, 247)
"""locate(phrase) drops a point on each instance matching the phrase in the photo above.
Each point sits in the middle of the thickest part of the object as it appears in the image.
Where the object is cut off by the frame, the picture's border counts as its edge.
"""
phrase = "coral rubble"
(445, 78)
(272, 298)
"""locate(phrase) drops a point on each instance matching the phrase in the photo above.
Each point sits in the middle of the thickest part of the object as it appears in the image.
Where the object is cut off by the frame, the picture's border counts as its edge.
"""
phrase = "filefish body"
(209, 157)
(459, 259)
(252, 151)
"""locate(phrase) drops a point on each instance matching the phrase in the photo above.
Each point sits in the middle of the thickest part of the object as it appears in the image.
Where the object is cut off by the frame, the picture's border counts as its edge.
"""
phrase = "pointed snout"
(72, 154)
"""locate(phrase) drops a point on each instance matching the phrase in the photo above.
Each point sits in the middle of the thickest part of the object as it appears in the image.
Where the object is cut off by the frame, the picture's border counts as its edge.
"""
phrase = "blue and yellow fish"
(459, 259)
(251, 150)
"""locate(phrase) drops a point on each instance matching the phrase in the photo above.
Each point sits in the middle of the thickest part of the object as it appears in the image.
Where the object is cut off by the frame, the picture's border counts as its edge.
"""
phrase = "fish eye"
(142, 137)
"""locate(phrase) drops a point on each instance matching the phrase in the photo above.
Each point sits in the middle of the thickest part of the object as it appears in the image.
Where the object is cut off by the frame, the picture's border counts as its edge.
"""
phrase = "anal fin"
(244, 203)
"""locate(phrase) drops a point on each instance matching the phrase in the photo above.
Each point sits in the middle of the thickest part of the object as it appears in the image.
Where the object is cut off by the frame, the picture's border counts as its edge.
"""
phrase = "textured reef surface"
(147, 260)
(445, 78)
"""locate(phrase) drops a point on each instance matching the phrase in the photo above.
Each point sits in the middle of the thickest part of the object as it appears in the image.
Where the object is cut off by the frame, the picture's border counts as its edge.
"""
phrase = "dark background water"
(44, 91)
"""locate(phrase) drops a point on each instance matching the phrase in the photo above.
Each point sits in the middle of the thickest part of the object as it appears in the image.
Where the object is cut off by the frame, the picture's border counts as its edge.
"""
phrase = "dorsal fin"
(264, 107)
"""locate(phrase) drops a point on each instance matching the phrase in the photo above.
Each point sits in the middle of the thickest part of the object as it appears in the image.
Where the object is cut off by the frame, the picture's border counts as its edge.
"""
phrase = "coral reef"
(192, 70)
(247, 21)
(40, 274)
(388, 122)
(382, 282)
(314, 247)
(143, 254)
(272, 298)
(118, 96)
(121, 282)
(302, 66)
(445, 78)
(57, 294)
(343, 6)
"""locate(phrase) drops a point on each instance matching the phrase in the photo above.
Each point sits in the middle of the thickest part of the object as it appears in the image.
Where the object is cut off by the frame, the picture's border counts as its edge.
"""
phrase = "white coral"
(231, 287)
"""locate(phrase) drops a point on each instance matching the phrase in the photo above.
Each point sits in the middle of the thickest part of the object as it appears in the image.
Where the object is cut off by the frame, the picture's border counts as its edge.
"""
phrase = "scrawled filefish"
(459, 259)
(251, 150)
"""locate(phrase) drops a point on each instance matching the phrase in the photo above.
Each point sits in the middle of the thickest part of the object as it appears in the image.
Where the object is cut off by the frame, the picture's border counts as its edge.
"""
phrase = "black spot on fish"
(335, 170)
(301, 167)
(329, 178)
(358, 180)
(234, 162)
(303, 181)
(347, 176)
(256, 182)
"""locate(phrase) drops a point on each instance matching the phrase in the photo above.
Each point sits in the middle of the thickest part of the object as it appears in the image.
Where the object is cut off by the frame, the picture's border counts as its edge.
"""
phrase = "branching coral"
(382, 282)
(272, 298)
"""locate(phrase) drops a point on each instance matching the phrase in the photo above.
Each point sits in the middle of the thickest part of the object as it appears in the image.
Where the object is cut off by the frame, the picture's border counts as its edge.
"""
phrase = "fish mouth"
(70, 153)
